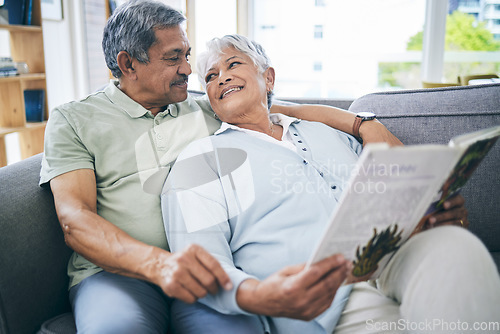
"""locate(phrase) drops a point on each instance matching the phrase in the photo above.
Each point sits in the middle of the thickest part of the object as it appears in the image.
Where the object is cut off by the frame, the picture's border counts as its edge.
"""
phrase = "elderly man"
(106, 157)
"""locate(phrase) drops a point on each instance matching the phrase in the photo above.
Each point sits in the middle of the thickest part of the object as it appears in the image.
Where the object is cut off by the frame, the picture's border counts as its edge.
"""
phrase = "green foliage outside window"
(463, 33)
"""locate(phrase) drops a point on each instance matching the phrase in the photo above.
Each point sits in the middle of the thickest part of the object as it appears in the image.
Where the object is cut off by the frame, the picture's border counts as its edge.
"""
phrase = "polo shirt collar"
(276, 118)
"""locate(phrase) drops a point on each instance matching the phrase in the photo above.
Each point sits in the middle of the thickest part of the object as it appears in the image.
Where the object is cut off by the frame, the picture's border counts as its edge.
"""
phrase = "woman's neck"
(265, 126)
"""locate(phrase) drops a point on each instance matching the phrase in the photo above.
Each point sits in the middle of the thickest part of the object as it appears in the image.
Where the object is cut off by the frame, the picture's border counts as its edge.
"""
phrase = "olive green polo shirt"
(131, 152)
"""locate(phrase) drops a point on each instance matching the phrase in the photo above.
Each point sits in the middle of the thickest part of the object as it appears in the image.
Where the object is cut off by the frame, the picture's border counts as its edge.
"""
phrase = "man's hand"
(454, 213)
(295, 292)
(192, 273)
(376, 132)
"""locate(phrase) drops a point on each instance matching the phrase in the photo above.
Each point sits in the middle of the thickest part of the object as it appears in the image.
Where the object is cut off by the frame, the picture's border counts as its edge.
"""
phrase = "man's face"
(164, 79)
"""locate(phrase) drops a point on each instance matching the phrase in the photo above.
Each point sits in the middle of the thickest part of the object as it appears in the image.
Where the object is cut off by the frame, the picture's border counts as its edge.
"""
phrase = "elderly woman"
(257, 196)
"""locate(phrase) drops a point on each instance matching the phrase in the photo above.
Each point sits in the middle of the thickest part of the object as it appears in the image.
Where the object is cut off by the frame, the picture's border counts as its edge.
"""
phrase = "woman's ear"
(270, 77)
(125, 63)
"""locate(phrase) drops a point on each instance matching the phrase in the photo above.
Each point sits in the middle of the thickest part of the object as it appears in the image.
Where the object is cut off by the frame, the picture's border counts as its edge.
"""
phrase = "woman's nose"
(224, 78)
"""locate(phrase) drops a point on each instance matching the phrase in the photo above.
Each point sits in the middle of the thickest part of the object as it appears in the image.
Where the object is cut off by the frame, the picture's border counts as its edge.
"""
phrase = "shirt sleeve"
(64, 150)
(195, 212)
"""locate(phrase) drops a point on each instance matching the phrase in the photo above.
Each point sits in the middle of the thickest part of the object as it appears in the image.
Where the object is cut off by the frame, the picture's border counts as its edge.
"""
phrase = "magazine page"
(467, 139)
(388, 193)
(473, 148)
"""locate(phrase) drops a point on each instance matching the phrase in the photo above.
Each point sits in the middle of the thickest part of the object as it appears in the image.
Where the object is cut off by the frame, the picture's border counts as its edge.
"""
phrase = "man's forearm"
(95, 238)
(110, 248)
(187, 275)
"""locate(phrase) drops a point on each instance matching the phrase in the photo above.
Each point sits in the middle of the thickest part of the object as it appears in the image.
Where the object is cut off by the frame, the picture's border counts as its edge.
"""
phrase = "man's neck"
(154, 109)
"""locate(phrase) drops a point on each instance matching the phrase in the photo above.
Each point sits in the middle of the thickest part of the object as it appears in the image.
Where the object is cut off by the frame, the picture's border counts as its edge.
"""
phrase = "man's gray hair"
(132, 27)
(216, 46)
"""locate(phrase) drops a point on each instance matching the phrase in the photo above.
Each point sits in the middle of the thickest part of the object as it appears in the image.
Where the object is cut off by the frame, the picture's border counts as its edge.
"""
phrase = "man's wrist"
(153, 267)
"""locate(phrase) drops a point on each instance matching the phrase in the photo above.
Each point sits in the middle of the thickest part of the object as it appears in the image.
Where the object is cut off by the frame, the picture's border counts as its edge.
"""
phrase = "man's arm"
(343, 120)
(295, 292)
(186, 275)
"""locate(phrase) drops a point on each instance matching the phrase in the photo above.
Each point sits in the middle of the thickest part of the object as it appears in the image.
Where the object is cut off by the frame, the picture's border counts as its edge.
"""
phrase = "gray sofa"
(33, 254)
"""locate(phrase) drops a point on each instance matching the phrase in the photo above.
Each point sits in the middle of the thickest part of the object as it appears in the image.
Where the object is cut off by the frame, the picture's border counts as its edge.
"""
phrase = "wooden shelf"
(24, 77)
(29, 126)
(26, 45)
(19, 27)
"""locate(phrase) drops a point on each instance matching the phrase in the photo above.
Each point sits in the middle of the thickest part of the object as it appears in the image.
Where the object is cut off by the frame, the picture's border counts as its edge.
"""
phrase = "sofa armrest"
(33, 254)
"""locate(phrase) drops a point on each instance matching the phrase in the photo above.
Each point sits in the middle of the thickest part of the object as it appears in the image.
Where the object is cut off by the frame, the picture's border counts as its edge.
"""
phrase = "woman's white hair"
(241, 43)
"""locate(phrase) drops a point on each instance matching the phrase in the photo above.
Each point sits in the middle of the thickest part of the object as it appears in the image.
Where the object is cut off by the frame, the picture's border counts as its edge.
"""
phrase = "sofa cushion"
(62, 324)
(33, 255)
(435, 116)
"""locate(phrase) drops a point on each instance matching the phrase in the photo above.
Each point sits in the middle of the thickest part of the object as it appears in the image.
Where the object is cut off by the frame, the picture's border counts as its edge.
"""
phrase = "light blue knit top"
(258, 207)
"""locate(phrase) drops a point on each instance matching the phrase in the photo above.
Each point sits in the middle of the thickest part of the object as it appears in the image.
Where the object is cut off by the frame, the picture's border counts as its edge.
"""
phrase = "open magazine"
(391, 193)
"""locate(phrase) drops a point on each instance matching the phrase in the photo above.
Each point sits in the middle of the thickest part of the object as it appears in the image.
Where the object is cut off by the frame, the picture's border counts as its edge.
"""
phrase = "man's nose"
(185, 68)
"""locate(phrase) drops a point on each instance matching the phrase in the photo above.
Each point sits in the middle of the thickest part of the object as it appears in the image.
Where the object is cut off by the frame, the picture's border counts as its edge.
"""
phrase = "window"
(318, 31)
(469, 3)
(345, 49)
(206, 20)
(472, 45)
(351, 51)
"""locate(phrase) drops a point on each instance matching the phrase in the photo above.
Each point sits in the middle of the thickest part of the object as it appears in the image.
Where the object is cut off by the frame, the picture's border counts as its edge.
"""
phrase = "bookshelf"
(26, 45)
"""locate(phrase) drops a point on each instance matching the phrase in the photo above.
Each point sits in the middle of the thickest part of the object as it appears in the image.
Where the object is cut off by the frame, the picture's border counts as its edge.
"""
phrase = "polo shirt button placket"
(160, 141)
(299, 141)
(160, 138)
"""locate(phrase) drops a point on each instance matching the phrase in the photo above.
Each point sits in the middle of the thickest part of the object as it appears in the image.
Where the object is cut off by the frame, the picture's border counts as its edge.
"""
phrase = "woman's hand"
(295, 291)
(454, 213)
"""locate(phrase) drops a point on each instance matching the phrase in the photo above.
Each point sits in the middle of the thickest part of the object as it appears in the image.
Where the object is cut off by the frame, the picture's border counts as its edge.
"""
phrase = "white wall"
(62, 63)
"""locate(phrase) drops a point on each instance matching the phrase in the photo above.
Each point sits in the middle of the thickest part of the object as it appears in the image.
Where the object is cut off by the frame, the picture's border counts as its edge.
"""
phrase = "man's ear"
(270, 77)
(125, 63)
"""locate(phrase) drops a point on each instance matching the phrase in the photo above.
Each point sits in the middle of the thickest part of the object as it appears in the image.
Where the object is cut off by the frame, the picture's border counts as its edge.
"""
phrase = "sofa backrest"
(33, 254)
(435, 116)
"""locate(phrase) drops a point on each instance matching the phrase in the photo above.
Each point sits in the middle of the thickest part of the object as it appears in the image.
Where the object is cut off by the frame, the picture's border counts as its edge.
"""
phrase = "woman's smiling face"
(235, 87)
